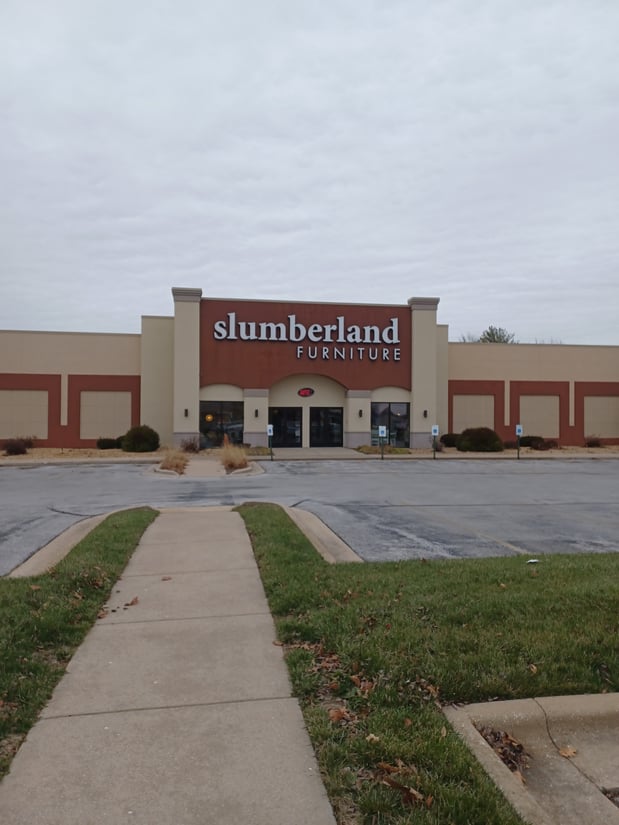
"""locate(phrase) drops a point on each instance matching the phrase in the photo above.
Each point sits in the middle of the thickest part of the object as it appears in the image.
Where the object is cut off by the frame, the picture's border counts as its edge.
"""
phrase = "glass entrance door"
(287, 426)
(326, 426)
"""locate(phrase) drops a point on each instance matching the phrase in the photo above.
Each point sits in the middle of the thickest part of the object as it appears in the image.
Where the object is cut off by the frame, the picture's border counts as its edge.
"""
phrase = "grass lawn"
(374, 650)
(44, 618)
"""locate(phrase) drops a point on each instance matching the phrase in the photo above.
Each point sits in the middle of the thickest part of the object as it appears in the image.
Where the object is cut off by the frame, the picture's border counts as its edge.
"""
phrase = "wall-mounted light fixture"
(425, 413)
(186, 413)
(360, 413)
(256, 413)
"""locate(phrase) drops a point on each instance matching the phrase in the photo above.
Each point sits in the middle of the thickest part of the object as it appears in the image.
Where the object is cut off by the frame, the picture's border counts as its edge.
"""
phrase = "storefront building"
(321, 374)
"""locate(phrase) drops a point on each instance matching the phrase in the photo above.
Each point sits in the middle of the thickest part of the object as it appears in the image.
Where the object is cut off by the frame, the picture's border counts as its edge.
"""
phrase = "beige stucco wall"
(442, 373)
(602, 417)
(76, 353)
(539, 415)
(424, 379)
(221, 392)
(472, 411)
(157, 367)
(23, 413)
(532, 362)
(186, 363)
(104, 414)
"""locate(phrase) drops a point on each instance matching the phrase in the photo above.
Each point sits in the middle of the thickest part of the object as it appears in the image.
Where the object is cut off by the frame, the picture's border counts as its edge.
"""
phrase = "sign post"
(382, 435)
(435, 432)
(270, 436)
(518, 436)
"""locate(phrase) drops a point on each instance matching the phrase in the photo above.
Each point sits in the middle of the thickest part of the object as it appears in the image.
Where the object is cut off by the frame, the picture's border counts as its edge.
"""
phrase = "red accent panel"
(48, 383)
(494, 388)
(263, 363)
(567, 434)
(98, 383)
(582, 389)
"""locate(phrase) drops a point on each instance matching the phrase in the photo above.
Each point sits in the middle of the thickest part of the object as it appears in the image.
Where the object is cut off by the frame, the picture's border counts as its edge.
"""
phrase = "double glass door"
(326, 426)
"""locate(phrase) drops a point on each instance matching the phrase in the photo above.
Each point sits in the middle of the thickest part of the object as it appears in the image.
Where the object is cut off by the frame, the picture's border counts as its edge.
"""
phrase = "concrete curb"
(327, 543)
(560, 789)
(46, 557)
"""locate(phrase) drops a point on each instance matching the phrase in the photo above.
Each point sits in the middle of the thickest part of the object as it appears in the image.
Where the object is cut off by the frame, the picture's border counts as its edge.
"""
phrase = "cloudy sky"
(339, 151)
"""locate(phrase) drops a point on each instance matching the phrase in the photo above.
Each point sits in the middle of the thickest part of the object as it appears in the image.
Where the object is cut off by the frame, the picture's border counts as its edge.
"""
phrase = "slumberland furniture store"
(321, 374)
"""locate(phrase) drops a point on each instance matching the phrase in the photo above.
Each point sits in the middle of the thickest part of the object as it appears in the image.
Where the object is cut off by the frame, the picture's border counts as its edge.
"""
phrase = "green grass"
(374, 650)
(44, 618)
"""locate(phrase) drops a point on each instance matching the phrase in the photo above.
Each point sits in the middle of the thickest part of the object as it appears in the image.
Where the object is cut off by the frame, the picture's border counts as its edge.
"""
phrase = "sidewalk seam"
(170, 707)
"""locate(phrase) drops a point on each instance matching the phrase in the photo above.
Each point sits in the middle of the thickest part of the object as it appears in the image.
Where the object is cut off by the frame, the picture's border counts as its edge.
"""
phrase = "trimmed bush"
(510, 445)
(479, 440)
(15, 446)
(449, 439)
(140, 439)
(109, 443)
(593, 441)
(533, 441)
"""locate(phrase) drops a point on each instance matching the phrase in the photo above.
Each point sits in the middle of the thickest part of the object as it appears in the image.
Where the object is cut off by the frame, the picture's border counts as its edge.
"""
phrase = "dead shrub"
(191, 445)
(232, 457)
(175, 460)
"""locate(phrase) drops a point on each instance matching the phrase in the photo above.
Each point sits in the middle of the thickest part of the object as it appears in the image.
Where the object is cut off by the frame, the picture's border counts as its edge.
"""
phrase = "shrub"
(233, 457)
(510, 445)
(140, 439)
(549, 444)
(449, 439)
(533, 441)
(109, 443)
(191, 445)
(479, 440)
(593, 441)
(15, 446)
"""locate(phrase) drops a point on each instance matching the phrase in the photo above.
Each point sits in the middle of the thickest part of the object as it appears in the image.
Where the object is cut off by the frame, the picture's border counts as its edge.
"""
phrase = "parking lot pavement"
(384, 510)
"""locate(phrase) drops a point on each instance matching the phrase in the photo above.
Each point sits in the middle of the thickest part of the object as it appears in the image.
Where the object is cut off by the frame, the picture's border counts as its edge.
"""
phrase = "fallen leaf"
(35, 586)
(278, 643)
(408, 723)
(519, 776)
(133, 602)
(429, 801)
(409, 795)
(502, 586)
(443, 732)
(533, 668)
(385, 766)
(166, 578)
(102, 613)
(371, 737)
(567, 752)
(338, 714)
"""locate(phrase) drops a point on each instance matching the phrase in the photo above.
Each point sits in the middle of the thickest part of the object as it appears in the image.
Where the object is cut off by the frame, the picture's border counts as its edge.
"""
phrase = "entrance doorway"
(326, 426)
(287, 426)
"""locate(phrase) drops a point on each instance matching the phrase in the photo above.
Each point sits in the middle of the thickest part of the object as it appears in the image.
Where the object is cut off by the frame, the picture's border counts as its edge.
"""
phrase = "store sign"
(305, 392)
(340, 340)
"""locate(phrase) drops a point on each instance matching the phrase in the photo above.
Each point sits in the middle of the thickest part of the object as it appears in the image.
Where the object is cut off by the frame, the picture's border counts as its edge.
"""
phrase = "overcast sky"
(325, 151)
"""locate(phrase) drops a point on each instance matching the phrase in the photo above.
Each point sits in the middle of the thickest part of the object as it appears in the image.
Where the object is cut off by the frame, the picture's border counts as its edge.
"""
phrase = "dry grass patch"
(175, 460)
(232, 457)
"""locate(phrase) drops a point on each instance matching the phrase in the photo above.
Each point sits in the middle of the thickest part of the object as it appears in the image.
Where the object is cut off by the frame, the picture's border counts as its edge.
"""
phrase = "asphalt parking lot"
(385, 511)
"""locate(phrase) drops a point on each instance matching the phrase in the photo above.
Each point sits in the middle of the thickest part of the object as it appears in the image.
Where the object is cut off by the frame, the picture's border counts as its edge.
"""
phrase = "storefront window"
(219, 418)
(396, 418)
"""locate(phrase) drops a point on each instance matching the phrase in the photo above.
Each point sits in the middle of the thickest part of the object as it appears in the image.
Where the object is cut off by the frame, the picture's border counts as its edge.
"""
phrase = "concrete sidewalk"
(176, 709)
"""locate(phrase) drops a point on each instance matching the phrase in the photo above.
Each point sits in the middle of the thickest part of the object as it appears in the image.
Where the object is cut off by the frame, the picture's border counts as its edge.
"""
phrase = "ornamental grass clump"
(232, 456)
(175, 460)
